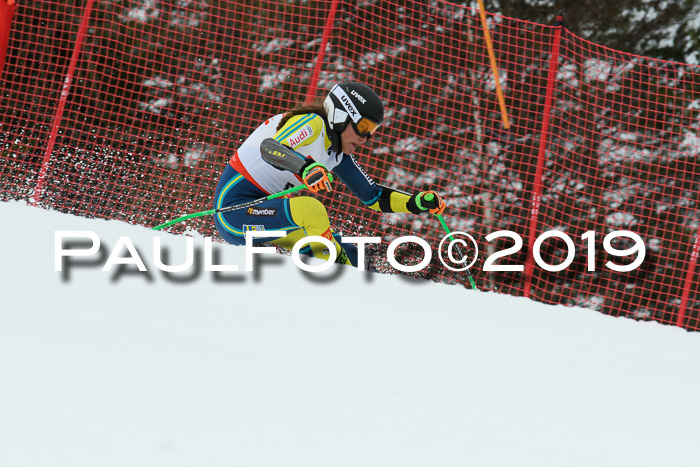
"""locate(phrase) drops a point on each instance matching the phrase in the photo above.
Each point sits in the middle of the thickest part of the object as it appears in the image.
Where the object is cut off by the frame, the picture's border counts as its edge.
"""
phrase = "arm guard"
(391, 200)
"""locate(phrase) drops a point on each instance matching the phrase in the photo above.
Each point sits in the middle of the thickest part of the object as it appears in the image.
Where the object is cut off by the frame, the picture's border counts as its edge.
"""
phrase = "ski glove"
(426, 201)
(316, 177)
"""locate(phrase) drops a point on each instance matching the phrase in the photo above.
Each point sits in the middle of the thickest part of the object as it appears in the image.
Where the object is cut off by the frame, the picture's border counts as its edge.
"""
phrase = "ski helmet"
(354, 103)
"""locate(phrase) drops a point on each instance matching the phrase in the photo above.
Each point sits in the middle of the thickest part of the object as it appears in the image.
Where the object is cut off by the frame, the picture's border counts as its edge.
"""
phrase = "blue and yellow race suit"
(248, 177)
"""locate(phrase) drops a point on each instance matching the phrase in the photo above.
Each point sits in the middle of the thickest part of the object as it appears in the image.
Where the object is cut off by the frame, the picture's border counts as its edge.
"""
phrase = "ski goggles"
(365, 127)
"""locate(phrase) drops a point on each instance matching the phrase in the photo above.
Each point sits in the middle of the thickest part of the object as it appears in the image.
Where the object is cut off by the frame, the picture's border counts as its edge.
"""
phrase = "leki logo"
(359, 97)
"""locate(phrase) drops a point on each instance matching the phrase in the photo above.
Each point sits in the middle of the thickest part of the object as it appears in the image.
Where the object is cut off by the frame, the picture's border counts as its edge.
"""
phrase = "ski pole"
(459, 252)
(230, 208)
(277, 155)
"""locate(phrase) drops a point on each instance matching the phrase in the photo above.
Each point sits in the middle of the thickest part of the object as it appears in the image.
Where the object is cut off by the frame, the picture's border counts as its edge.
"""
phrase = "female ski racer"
(326, 136)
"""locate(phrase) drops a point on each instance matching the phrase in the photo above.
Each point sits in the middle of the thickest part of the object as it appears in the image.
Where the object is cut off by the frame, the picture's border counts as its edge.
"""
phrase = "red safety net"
(130, 110)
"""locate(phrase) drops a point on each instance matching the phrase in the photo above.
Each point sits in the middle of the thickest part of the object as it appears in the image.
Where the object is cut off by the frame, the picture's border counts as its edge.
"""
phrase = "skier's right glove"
(316, 177)
(426, 201)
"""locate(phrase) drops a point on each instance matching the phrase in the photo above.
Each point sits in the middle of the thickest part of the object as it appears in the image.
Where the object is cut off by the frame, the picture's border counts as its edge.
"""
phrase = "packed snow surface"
(277, 367)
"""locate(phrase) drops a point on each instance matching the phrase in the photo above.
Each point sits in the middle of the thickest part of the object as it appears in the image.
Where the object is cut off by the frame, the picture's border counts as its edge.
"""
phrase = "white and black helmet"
(354, 103)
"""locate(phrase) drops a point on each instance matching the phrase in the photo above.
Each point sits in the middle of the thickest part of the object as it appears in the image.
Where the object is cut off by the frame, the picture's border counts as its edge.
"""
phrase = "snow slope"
(276, 369)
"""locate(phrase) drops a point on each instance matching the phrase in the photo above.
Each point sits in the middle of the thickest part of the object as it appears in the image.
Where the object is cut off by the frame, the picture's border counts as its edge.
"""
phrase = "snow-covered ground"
(273, 368)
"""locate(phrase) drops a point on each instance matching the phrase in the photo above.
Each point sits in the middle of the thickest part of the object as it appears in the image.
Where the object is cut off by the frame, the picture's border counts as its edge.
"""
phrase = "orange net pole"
(494, 65)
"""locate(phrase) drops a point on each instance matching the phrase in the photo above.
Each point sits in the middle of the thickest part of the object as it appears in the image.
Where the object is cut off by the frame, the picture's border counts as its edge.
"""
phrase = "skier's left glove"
(426, 201)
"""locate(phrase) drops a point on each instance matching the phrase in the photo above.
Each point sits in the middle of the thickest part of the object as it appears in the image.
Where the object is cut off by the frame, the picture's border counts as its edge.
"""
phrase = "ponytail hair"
(315, 107)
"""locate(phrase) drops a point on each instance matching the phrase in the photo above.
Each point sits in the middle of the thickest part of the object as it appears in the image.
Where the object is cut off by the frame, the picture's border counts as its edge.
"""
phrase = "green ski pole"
(447, 230)
(430, 197)
(230, 208)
